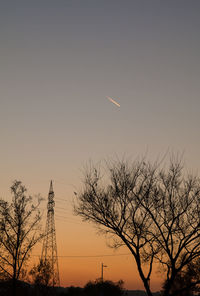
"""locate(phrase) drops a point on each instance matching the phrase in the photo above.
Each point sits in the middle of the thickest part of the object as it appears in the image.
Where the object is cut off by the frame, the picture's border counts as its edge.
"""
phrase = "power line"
(66, 220)
(60, 202)
(62, 199)
(63, 209)
(90, 256)
(60, 215)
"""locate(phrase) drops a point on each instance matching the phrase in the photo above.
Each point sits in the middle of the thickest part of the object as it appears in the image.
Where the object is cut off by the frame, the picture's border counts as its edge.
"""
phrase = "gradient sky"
(58, 62)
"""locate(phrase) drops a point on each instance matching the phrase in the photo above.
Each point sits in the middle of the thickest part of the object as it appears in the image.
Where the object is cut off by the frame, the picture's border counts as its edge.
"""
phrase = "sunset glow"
(59, 60)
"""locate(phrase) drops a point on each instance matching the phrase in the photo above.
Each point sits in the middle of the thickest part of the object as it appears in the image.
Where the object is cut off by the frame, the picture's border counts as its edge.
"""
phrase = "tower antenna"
(49, 248)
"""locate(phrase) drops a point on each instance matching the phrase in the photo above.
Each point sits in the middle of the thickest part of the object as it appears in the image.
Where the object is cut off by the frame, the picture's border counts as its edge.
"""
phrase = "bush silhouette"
(103, 288)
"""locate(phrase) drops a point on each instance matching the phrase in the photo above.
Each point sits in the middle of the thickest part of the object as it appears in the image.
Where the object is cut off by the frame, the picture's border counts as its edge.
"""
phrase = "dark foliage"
(106, 288)
(187, 282)
(74, 291)
(41, 273)
(97, 288)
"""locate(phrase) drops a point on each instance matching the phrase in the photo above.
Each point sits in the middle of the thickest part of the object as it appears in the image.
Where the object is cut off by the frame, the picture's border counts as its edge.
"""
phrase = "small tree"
(154, 212)
(187, 282)
(19, 225)
(41, 273)
(106, 288)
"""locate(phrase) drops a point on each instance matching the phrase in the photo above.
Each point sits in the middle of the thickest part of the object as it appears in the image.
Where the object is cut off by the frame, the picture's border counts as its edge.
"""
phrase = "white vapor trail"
(113, 101)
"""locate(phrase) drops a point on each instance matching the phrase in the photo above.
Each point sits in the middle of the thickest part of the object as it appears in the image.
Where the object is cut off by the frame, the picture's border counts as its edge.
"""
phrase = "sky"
(59, 60)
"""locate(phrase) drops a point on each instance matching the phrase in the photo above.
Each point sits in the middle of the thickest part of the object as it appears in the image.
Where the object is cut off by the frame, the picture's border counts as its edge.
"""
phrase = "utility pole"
(49, 249)
(102, 267)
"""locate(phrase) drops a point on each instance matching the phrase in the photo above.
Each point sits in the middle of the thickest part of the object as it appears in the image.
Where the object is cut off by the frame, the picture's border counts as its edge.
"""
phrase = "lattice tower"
(49, 249)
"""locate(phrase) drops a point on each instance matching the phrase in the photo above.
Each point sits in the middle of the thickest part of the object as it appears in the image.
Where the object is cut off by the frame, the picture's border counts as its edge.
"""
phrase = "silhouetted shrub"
(106, 288)
(74, 291)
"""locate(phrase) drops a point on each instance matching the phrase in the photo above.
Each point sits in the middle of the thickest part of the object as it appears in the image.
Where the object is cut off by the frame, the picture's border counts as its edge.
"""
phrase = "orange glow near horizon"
(80, 247)
(81, 251)
(77, 271)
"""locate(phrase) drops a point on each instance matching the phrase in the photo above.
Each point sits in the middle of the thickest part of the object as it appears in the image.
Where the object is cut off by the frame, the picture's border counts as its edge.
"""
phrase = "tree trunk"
(145, 281)
(147, 288)
(14, 286)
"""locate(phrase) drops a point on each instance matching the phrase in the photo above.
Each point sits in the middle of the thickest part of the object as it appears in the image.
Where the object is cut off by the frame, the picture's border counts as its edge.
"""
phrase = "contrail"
(113, 101)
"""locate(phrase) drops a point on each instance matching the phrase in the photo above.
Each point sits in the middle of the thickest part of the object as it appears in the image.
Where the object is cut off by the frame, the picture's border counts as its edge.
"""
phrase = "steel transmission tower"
(49, 249)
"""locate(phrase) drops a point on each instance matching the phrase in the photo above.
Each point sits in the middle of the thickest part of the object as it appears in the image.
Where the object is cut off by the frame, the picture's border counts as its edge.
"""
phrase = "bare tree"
(19, 226)
(41, 273)
(187, 281)
(152, 211)
(174, 208)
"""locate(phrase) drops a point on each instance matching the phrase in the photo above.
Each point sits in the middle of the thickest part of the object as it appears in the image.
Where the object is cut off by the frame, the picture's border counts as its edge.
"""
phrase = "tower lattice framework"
(49, 249)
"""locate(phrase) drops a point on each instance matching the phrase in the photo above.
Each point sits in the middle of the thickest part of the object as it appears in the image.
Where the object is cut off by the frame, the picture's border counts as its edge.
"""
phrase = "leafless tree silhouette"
(187, 281)
(19, 226)
(153, 211)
